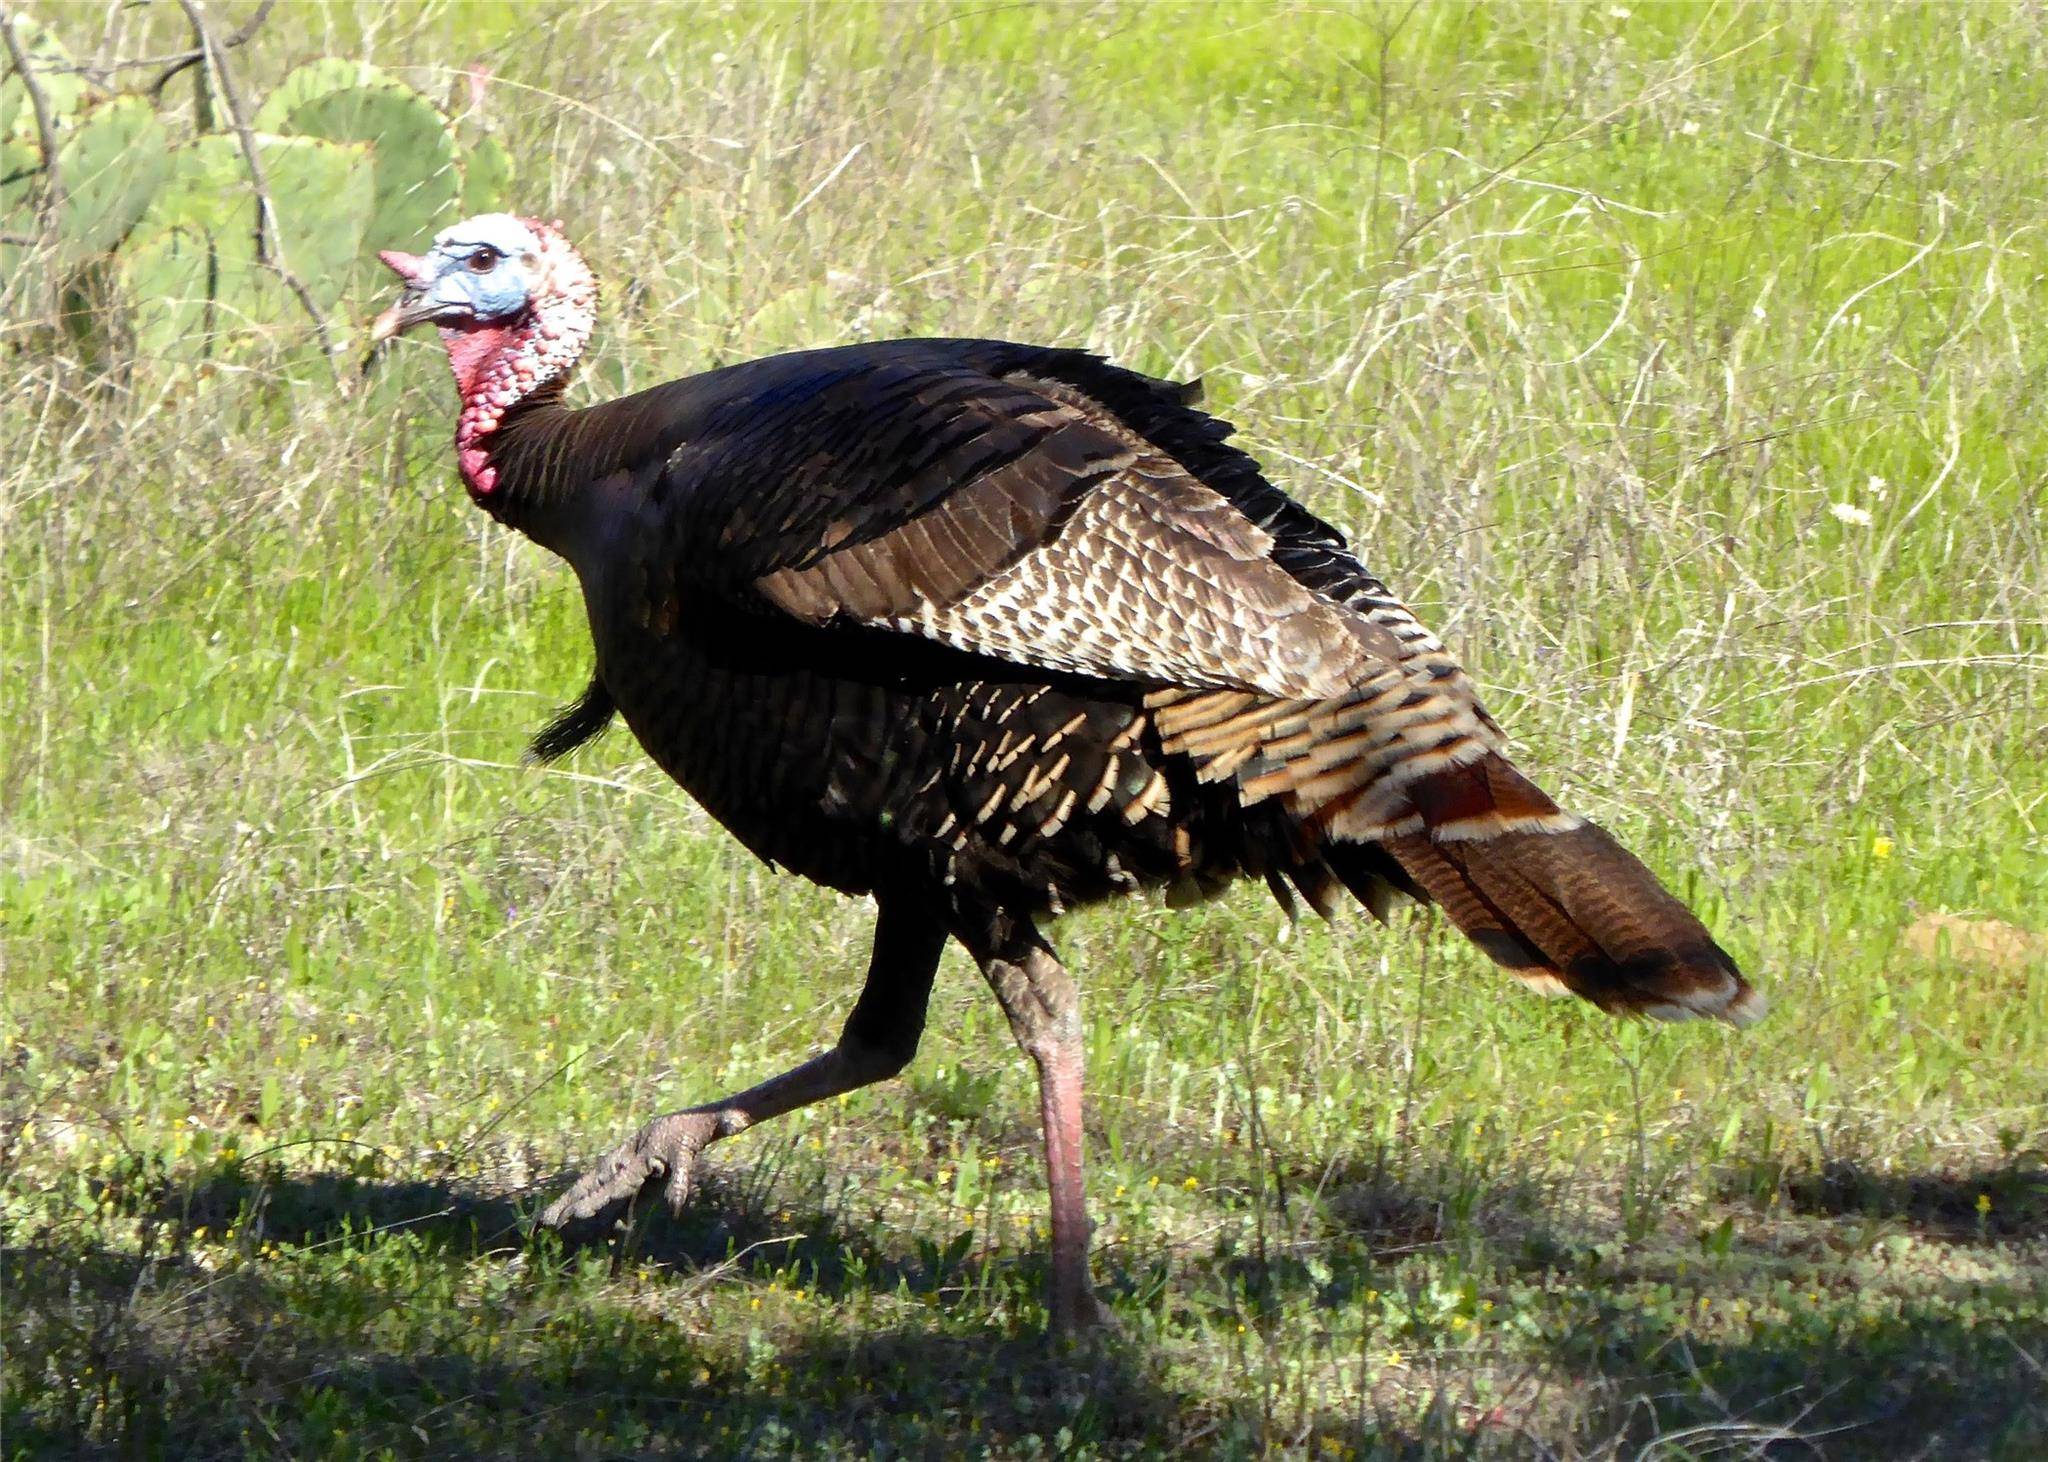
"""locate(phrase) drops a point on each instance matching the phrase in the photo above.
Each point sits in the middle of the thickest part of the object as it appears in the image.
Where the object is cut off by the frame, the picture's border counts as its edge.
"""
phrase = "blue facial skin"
(492, 296)
(486, 293)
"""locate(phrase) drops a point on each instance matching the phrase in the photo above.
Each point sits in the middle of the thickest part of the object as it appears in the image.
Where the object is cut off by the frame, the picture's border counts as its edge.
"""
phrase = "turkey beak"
(408, 310)
(411, 309)
(412, 306)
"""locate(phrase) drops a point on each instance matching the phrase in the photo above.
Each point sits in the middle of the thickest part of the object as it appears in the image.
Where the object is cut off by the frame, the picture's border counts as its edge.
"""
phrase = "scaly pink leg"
(1044, 1010)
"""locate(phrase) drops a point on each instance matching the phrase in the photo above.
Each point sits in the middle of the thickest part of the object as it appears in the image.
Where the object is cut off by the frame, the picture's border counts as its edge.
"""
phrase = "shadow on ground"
(153, 1368)
(347, 1315)
(743, 1227)
(2005, 1202)
(350, 1315)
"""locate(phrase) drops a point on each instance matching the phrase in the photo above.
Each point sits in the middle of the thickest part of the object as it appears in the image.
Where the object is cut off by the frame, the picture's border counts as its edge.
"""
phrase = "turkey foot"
(664, 1151)
(667, 1148)
(879, 1039)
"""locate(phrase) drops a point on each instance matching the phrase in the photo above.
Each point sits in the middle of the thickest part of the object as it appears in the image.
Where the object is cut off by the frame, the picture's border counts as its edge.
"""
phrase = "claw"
(663, 1151)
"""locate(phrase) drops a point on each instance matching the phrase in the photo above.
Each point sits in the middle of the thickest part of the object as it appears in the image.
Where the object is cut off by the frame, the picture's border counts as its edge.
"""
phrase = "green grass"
(1682, 366)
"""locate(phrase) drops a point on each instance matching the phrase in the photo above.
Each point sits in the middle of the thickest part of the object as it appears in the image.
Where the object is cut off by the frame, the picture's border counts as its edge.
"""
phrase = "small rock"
(1992, 943)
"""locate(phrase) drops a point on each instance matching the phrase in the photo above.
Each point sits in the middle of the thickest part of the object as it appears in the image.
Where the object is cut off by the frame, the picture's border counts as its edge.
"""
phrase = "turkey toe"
(664, 1151)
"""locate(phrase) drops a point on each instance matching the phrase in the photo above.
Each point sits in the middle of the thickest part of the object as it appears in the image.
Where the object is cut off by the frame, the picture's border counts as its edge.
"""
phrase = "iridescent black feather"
(583, 720)
(1009, 627)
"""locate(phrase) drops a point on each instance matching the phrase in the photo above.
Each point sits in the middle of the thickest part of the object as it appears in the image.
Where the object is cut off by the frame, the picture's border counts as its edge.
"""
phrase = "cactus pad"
(310, 81)
(322, 192)
(417, 181)
(65, 91)
(112, 161)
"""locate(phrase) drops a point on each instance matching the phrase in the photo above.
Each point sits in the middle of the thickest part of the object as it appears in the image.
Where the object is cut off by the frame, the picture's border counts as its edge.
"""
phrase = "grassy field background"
(1682, 365)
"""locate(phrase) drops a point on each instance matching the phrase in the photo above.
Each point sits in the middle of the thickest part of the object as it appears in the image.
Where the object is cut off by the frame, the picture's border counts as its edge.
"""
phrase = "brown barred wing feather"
(1060, 545)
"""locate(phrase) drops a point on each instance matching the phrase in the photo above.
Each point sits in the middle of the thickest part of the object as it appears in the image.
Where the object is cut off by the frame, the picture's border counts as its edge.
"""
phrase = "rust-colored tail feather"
(1553, 898)
(1400, 784)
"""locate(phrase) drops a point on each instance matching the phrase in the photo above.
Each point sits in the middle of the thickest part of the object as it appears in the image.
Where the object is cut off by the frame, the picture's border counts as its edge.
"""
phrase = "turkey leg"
(878, 1041)
(1044, 1009)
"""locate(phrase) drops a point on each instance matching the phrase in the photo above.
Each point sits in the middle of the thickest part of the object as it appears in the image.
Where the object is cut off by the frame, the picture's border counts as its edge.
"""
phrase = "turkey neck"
(563, 476)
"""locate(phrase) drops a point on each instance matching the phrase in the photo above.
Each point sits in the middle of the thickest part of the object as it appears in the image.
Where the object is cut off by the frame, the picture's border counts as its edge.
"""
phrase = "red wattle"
(472, 349)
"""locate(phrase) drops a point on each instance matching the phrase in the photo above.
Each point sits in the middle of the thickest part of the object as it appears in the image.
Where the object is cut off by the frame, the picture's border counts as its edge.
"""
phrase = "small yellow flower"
(1881, 847)
(1191, 1184)
(1983, 1203)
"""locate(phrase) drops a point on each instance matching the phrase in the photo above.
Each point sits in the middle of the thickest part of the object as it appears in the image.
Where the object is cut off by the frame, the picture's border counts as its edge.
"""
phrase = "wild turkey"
(988, 630)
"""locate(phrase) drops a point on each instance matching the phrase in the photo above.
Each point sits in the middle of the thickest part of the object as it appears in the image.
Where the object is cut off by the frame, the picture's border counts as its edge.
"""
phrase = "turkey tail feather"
(1556, 900)
(1404, 788)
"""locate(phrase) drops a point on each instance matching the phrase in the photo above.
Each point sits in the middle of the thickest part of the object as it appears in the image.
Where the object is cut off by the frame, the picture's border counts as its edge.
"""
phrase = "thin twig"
(269, 245)
(1585, 128)
(46, 124)
(198, 53)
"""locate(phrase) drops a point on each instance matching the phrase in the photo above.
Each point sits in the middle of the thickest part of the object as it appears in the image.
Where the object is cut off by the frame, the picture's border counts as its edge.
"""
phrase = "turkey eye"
(484, 260)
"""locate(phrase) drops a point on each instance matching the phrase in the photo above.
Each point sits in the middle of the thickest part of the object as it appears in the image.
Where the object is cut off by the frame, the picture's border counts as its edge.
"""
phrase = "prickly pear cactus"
(112, 162)
(417, 179)
(21, 178)
(355, 161)
(17, 207)
(165, 277)
(322, 192)
(325, 194)
(310, 81)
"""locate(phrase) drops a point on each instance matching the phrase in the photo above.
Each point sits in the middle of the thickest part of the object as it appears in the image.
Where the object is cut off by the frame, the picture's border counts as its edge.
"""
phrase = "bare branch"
(194, 56)
(269, 246)
(46, 124)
